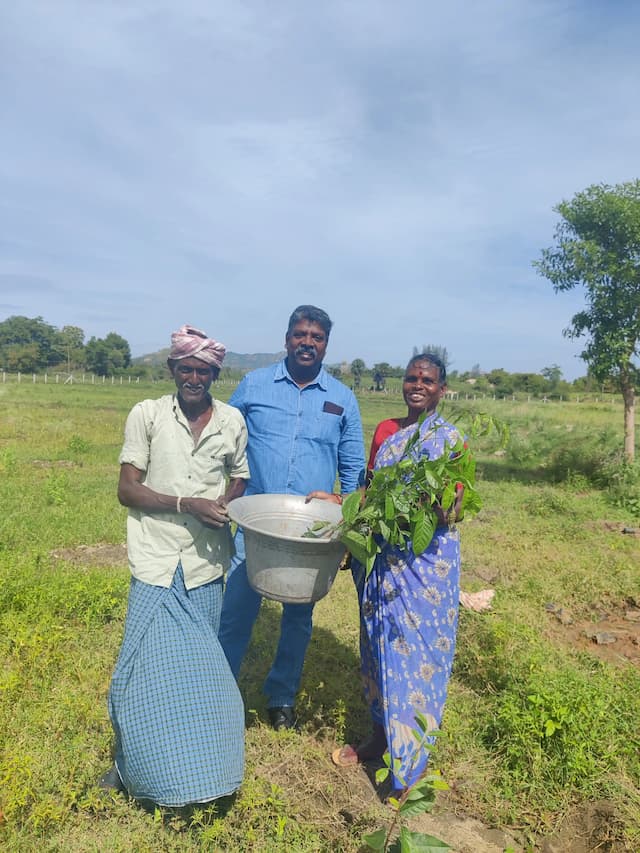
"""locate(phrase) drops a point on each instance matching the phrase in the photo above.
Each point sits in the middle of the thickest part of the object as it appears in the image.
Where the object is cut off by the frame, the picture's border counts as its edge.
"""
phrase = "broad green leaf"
(414, 807)
(422, 721)
(431, 478)
(376, 840)
(385, 530)
(368, 565)
(356, 543)
(389, 508)
(381, 774)
(419, 842)
(448, 496)
(422, 531)
(417, 791)
(350, 507)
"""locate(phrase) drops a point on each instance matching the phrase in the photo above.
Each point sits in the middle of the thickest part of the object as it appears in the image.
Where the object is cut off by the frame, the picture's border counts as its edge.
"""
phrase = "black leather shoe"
(282, 718)
(111, 781)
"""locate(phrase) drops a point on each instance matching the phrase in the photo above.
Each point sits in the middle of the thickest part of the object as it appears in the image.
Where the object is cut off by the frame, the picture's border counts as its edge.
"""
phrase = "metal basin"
(281, 563)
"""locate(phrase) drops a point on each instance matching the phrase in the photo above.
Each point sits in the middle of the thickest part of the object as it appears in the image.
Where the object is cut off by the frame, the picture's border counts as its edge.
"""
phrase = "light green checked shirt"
(158, 441)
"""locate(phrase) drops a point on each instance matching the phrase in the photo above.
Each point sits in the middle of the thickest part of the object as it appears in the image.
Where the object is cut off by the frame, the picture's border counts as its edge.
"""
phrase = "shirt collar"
(213, 426)
(283, 373)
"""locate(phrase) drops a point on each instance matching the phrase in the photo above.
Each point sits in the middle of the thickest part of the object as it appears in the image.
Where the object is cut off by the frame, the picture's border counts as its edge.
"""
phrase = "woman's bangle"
(178, 507)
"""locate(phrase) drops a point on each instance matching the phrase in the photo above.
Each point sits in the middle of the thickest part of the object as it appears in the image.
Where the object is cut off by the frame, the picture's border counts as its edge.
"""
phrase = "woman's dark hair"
(432, 358)
(313, 315)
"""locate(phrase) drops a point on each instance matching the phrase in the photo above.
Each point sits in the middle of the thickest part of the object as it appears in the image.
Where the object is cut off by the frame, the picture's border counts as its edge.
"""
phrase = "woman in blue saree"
(409, 602)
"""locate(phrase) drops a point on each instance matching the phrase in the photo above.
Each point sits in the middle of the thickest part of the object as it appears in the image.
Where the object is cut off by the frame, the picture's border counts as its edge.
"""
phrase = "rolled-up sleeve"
(135, 450)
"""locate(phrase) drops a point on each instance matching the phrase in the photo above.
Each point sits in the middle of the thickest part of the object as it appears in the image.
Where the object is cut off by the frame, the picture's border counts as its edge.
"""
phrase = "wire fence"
(392, 390)
(88, 379)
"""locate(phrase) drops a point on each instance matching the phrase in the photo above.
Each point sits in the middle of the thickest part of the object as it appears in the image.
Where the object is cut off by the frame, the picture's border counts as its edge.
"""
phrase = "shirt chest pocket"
(215, 456)
(323, 427)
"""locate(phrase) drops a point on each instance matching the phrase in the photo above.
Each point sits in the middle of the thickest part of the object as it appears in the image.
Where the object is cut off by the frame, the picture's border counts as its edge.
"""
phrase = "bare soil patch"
(611, 632)
(617, 527)
(102, 554)
(594, 827)
(55, 463)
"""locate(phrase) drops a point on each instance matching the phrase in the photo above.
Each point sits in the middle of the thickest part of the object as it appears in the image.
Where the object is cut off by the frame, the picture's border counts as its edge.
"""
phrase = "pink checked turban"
(188, 342)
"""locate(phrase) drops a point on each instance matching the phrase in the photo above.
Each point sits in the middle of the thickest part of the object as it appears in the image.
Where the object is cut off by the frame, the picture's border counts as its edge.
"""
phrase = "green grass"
(534, 726)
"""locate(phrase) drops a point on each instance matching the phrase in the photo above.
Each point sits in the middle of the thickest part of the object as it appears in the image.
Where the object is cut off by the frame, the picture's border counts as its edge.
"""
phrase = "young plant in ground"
(415, 799)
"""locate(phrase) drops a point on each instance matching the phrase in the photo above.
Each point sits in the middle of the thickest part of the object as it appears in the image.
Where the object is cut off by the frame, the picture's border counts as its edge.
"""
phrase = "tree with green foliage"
(106, 356)
(28, 344)
(71, 345)
(553, 375)
(501, 381)
(597, 245)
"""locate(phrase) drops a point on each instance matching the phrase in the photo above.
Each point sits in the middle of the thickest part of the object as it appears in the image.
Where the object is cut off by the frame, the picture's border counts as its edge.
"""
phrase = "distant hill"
(232, 360)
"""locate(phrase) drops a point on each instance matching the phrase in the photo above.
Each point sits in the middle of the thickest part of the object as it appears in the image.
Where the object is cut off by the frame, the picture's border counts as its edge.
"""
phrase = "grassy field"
(542, 723)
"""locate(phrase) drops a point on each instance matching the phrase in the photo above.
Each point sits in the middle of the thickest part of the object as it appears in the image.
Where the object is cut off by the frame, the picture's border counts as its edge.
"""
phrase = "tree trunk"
(628, 395)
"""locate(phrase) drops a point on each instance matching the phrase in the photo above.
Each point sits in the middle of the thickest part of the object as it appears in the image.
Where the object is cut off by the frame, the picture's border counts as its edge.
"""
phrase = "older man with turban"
(176, 711)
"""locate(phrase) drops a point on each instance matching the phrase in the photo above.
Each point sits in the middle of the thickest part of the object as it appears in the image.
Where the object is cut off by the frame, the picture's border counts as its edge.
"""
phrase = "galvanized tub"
(282, 564)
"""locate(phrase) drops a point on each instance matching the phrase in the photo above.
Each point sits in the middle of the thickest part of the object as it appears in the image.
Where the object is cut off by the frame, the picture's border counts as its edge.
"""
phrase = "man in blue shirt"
(304, 428)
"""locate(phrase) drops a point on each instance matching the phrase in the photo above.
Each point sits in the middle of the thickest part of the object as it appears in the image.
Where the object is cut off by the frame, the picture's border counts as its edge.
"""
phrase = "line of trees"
(548, 382)
(30, 345)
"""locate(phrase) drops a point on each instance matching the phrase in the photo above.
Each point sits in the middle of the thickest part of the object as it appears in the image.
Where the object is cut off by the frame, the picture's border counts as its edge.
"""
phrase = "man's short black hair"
(434, 359)
(313, 315)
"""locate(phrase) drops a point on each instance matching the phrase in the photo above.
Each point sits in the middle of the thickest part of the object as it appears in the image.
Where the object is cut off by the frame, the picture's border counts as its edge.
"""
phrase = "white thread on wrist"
(178, 507)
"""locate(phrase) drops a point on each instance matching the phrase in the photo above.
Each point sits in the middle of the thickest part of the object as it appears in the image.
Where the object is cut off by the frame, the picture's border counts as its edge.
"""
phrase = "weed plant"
(534, 726)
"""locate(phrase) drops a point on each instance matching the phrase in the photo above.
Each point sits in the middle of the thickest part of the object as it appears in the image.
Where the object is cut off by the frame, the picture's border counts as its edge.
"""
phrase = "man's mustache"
(304, 349)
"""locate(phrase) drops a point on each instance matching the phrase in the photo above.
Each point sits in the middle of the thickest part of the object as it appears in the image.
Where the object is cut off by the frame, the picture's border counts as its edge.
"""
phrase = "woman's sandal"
(345, 756)
(371, 750)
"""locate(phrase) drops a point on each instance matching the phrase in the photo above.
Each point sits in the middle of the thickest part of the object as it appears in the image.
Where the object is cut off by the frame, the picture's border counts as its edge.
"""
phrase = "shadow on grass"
(215, 809)
(330, 696)
(501, 472)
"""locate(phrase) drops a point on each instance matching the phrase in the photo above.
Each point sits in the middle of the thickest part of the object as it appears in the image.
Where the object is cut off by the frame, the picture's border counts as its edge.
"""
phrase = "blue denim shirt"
(299, 438)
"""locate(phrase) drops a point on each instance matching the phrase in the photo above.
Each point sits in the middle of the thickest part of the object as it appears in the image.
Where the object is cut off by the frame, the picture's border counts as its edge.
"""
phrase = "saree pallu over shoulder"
(174, 704)
(409, 613)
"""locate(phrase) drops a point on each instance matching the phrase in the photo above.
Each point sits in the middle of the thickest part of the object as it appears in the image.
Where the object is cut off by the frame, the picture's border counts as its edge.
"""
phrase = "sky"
(397, 164)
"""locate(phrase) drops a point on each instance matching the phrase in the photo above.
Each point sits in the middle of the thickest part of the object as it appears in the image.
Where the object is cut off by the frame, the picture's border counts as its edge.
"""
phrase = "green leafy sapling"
(414, 799)
(402, 500)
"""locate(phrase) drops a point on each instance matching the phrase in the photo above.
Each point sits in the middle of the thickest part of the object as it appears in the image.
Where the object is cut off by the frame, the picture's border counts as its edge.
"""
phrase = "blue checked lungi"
(175, 707)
